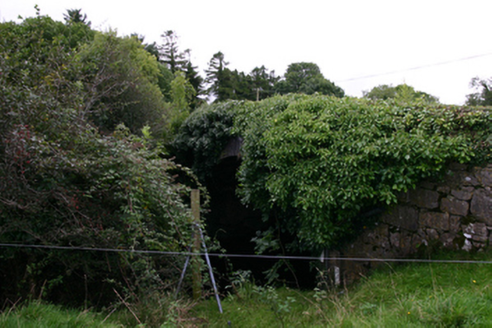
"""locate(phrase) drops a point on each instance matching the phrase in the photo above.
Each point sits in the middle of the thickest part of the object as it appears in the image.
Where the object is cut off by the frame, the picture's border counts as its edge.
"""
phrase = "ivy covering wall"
(317, 165)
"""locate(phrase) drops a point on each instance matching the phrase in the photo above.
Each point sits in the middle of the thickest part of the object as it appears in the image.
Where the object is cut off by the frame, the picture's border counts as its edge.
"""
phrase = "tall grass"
(413, 295)
(40, 315)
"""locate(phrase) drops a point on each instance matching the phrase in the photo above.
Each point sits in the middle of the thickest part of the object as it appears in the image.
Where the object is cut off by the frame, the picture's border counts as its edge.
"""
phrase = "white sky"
(346, 38)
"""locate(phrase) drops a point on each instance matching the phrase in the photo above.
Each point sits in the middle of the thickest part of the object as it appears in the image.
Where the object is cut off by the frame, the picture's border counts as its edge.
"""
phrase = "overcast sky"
(435, 46)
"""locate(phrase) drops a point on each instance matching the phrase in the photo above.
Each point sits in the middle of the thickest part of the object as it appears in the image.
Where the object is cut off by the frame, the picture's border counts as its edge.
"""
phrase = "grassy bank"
(39, 315)
(411, 295)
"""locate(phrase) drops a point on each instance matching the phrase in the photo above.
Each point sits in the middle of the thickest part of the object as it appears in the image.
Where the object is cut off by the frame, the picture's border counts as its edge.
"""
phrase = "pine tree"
(170, 54)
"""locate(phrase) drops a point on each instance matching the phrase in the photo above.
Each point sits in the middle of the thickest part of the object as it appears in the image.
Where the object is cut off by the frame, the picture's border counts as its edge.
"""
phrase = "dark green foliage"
(226, 84)
(170, 54)
(328, 159)
(121, 80)
(306, 78)
(401, 93)
(314, 165)
(203, 136)
(63, 183)
(218, 78)
(196, 82)
(164, 82)
(74, 16)
(483, 96)
(262, 82)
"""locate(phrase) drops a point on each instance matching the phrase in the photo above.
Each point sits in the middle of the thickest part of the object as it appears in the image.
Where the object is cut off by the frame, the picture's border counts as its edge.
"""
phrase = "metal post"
(210, 270)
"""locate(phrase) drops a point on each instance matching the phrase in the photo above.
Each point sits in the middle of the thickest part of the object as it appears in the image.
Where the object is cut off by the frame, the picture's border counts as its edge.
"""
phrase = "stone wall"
(455, 213)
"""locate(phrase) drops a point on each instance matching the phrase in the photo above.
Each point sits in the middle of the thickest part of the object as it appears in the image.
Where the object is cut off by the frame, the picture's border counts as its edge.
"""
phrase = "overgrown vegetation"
(410, 295)
(86, 124)
(72, 175)
(319, 163)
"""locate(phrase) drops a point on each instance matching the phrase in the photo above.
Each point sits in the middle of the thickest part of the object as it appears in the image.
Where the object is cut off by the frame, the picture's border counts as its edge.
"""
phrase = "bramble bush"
(63, 183)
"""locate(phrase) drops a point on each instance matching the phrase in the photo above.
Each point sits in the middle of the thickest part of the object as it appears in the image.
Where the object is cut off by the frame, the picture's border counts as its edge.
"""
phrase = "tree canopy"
(401, 93)
(483, 94)
(72, 175)
(306, 78)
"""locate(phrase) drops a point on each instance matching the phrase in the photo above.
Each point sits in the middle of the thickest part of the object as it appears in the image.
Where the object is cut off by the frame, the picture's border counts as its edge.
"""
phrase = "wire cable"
(268, 257)
(414, 68)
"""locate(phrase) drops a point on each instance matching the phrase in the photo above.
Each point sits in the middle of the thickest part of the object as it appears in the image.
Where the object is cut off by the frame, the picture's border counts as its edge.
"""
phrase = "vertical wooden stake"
(195, 264)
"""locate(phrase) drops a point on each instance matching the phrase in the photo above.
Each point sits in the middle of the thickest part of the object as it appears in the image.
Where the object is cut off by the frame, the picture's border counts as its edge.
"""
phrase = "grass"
(411, 295)
(40, 315)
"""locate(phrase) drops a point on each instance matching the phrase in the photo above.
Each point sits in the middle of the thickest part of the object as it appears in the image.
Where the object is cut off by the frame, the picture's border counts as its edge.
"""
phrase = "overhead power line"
(268, 257)
(414, 68)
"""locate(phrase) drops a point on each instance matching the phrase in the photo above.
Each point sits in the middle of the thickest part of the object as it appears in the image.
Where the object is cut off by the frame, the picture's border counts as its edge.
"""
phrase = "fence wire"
(255, 256)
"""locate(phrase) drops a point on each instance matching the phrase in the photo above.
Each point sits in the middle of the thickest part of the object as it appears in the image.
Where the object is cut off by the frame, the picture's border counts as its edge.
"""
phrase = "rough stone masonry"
(455, 213)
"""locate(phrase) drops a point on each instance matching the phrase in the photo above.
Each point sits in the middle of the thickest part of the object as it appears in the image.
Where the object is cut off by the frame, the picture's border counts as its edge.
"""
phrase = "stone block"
(405, 217)
(454, 223)
(484, 176)
(467, 246)
(455, 206)
(435, 220)
(444, 189)
(403, 197)
(395, 239)
(478, 244)
(468, 179)
(482, 239)
(432, 234)
(481, 205)
(425, 198)
(447, 240)
(460, 178)
(475, 229)
(406, 244)
(463, 194)
(427, 185)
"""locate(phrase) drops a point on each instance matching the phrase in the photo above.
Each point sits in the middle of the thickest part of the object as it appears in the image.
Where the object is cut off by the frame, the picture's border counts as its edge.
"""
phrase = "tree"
(182, 95)
(170, 54)
(218, 78)
(122, 83)
(151, 48)
(401, 93)
(62, 183)
(483, 96)
(74, 16)
(306, 78)
(195, 80)
(263, 82)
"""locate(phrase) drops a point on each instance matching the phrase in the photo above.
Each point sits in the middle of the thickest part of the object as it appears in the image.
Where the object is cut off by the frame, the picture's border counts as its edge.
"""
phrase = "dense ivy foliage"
(203, 136)
(64, 183)
(330, 160)
(317, 166)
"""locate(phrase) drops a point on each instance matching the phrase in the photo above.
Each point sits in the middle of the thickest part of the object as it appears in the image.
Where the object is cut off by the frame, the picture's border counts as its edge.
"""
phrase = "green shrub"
(64, 183)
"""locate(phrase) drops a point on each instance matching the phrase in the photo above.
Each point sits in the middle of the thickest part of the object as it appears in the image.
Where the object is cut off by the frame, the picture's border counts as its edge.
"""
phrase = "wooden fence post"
(195, 264)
